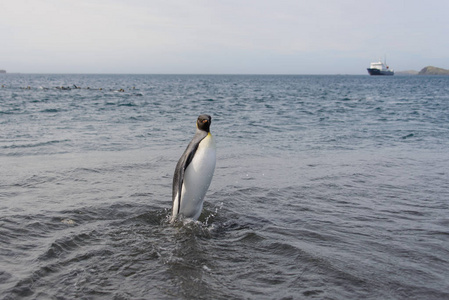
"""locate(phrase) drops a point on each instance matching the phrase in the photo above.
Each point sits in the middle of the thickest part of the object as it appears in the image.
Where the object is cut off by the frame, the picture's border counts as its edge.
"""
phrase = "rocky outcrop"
(433, 71)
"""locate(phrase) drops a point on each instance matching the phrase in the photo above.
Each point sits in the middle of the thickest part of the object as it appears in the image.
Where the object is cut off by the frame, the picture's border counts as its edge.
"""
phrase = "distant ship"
(380, 68)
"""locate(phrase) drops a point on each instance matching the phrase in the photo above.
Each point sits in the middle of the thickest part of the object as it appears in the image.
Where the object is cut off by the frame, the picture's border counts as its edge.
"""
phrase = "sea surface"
(326, 187)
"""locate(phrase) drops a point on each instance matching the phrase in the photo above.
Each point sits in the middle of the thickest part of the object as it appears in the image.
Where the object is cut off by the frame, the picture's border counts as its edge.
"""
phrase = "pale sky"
(221, 37)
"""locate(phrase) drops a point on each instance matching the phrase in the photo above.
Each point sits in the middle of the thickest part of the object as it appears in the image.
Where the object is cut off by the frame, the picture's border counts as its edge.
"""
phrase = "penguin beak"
(204, 121)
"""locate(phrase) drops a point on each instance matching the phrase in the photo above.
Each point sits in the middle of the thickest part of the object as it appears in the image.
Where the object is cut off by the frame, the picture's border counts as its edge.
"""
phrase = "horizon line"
(213, 74)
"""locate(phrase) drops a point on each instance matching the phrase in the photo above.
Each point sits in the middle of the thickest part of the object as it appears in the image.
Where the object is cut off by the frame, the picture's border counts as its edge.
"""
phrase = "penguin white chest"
(197, 178)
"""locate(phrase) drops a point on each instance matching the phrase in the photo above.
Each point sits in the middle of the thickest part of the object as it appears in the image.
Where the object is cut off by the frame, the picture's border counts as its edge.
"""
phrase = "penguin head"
(203, 122)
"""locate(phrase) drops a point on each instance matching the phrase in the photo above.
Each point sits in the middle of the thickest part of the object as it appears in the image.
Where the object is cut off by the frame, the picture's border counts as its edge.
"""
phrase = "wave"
(50, 110)
(33, 145)
(84, 247)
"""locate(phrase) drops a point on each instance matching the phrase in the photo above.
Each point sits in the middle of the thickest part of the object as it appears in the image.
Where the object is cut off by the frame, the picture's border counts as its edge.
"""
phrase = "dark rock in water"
(433, 71)
(408, 136)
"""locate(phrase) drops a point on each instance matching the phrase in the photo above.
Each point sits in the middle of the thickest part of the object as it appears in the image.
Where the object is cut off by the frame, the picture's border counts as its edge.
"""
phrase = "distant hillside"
(433, 71)
(408, 72)
(2, 71)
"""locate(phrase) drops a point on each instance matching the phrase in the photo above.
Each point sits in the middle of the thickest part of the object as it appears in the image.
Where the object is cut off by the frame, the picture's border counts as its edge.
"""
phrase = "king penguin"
(194, 171)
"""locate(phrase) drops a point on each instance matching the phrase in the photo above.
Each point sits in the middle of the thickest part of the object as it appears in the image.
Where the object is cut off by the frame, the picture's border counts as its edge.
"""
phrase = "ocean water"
(326, 187)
